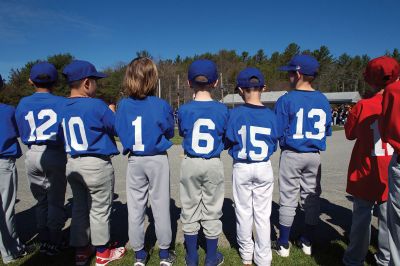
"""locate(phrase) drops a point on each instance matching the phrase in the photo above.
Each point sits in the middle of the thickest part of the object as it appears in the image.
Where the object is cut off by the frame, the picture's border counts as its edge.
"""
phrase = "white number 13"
(320, 124)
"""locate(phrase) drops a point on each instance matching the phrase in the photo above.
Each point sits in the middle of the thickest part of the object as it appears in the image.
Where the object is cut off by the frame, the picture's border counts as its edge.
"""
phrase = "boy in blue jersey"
(252, 135)
(306, 121)
(38, 119)
(202, 124)
(145, 125)
(89, 133)
(10, 245)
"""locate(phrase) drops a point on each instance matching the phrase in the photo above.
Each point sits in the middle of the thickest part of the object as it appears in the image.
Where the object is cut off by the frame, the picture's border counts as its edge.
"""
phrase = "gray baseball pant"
(299, 172)
(10, 245)
(45, 168)
(148, 176)
(393, 211)
(202, 195)
(92, 184)
(360, 234)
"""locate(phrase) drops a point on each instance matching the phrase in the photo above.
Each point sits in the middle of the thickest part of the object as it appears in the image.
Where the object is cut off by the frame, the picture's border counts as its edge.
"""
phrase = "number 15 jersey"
(202, 125)
(306, 120)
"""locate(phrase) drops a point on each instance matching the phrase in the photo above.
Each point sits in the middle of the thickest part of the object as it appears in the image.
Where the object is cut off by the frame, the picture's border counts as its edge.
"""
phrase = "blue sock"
(163, 253)
(101, 249)
(212, 245)
(284, 232)
(308, 234)
(140, 254)
(191, 248)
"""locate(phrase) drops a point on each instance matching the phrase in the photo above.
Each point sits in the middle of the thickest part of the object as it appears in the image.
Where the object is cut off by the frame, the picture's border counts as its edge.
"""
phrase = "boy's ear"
(31, 82)
(240, 90)
(189, 84)
(264, 89)
(86, 83)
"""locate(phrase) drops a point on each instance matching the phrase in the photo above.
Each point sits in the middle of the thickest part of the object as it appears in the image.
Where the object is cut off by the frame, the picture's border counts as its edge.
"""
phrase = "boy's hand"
(112, 107)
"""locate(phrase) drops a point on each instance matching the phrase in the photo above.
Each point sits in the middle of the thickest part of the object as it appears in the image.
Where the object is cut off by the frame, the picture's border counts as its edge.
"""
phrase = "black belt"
(192, 156)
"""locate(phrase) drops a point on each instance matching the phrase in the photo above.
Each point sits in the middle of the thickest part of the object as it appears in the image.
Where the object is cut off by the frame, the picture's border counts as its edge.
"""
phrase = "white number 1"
(137, 124)
(378, 148)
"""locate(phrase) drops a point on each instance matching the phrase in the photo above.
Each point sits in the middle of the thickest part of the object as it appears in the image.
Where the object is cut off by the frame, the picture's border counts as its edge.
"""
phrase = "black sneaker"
(281, 250)
(53, 250)
(218, 261)
(43, 247)
(170, 260)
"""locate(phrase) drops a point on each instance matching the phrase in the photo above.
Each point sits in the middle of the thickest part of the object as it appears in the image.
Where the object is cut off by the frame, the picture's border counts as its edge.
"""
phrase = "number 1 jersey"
(202, 125)
(38, 119)
(306, 120)
(369, 163)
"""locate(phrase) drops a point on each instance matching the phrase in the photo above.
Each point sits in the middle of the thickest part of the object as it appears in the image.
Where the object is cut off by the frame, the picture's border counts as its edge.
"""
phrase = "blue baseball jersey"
(88, 126)
(202, 125)
(252, 133)
(9, 145)
(144, 126)
(38, 119)
(306, 120)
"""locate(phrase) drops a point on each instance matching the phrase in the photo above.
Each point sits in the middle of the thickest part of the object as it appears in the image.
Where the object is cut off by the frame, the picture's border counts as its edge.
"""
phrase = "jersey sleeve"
(230, 137)
(109, 121)
(328, 127)
(168, 124)
(351, 126)
(180, 123)
(281, 115)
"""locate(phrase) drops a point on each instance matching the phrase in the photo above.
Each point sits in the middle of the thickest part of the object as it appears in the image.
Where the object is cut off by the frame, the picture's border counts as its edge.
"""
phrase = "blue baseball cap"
(203, 67)
(244, 77)
(79, 69)
(304, 64)
(43, 72)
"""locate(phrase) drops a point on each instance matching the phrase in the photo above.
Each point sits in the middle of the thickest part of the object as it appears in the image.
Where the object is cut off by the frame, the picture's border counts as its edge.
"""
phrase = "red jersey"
(389, 122)
(369, 163)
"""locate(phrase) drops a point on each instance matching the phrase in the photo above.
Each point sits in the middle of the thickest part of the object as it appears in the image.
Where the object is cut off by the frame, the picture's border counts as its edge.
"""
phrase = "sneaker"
(282, 250)
(53, 250)
(190, 263)
(304, 245)
(170, 260)
(110, 254)
(218, 261)
(43, 248)
(83, 255)
(141, 262)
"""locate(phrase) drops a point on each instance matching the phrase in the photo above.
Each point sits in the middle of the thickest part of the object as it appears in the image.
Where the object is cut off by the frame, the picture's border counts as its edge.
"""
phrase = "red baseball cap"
(382, 71)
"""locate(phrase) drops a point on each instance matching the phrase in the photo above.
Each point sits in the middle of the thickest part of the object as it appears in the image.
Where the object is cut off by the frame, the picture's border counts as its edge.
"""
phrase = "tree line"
(343, 73)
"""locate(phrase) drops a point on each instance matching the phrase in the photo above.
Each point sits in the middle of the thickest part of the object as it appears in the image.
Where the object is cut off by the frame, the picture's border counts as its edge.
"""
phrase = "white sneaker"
(305, 247)
(281, 250)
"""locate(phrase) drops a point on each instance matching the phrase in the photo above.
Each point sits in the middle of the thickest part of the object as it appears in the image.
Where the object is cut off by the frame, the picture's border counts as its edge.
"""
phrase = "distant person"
(390, 133)
(202, 124)
(11, 247)
(253, 180)
(306, 117)
(89, 133)
(368, 169)
(39, 121)
(145, 125)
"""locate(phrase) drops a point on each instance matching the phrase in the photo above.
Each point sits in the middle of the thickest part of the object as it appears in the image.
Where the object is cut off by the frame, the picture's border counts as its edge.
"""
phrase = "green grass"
(329, 254)
(177, 140)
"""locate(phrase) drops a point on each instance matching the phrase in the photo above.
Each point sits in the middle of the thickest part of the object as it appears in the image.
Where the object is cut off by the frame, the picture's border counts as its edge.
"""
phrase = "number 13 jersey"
(202, 125)
(306, 120)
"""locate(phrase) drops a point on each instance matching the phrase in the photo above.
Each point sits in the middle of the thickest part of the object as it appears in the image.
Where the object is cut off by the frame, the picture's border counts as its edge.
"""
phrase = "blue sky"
(109, 32)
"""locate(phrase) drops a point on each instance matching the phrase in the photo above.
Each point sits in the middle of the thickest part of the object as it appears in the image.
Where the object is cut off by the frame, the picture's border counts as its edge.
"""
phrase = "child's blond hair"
(141, 78)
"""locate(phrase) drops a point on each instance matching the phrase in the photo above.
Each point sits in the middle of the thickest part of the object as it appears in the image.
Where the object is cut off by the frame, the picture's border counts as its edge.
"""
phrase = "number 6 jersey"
(202, 125)
(38, 119)
(306, 120)
(369, 163)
